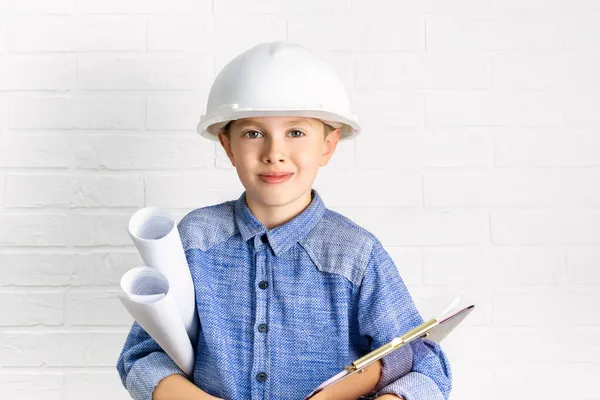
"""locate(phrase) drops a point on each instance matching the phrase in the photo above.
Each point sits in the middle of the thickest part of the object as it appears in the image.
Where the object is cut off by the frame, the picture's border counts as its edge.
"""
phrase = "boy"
(288, 292)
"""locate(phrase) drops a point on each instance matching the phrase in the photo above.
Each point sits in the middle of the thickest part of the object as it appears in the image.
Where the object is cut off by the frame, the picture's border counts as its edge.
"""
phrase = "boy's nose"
(274, 150)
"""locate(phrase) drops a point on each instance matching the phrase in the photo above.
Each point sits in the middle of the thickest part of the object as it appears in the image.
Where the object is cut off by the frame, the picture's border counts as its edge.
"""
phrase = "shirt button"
(263, 284)
(262, 328)
(264, 238)
(261, 377)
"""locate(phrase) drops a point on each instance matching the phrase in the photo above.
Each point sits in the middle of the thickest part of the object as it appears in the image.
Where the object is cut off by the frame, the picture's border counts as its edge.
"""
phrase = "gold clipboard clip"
(421, 330)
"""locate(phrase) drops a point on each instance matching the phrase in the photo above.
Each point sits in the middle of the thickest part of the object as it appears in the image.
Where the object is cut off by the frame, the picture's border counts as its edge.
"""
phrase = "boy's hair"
(327, 128)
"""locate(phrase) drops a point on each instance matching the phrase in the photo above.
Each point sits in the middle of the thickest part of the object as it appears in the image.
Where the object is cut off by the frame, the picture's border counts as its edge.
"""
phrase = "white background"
(478, 168)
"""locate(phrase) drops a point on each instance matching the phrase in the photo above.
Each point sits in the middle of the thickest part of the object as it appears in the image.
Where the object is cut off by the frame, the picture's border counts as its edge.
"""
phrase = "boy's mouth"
(275, 177)
(276, 174)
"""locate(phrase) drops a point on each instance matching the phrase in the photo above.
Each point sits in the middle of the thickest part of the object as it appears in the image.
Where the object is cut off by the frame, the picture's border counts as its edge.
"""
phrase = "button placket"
(260, 318)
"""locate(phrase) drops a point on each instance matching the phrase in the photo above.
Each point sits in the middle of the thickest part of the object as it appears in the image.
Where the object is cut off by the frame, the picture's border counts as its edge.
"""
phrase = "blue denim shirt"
(281, 310)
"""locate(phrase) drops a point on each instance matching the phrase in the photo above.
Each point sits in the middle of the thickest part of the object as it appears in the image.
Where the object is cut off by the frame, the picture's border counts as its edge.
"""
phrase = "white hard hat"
(278, 79)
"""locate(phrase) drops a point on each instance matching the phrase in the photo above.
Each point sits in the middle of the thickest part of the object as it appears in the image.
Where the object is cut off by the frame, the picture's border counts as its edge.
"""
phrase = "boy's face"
(264, 145)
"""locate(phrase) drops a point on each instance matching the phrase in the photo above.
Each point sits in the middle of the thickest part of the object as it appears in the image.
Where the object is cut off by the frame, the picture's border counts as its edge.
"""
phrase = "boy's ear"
(329, 146)
(226, 144)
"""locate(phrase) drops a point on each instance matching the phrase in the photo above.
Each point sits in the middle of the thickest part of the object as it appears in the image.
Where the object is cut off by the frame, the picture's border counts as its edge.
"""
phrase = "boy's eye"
(295, 130)
(251, 132)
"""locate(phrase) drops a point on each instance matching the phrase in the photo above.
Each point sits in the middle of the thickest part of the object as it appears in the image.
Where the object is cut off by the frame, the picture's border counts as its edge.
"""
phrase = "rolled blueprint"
(151, 302)
(157, 239)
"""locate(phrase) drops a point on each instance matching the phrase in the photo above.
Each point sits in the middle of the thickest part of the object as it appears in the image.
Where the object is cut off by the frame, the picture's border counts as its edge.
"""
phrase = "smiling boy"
(292, 148)
(287, 290)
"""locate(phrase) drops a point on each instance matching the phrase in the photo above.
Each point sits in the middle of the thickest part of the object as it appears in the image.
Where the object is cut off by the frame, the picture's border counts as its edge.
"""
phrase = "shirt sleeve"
(142, 364)
(417, 371)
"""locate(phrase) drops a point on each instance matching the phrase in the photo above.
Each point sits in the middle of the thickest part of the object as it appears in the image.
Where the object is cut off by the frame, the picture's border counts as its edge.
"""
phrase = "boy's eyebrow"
(296, 121)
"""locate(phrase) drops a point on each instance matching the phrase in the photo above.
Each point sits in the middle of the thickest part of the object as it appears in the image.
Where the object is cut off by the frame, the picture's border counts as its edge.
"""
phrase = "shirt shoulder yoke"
(339, 245)
(205, 227)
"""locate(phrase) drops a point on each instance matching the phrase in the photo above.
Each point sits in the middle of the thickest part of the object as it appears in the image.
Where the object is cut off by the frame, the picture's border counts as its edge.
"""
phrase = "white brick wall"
(478, 168)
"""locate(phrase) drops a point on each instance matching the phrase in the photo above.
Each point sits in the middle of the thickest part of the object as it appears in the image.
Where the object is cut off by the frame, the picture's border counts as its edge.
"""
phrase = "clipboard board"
(433, 330)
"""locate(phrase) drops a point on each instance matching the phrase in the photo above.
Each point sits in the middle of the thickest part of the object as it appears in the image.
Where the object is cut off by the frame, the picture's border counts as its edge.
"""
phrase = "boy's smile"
(277, 160)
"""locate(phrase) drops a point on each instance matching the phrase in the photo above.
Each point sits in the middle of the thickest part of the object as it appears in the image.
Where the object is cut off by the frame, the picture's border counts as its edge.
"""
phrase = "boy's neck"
(273, 216)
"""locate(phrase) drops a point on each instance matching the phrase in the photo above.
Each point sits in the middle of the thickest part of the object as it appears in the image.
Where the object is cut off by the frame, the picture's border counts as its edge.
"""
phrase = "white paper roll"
(155, 235)
(150, 301)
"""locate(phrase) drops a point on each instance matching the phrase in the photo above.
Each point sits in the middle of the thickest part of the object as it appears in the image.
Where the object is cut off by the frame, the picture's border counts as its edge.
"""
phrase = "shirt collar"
(283, 236)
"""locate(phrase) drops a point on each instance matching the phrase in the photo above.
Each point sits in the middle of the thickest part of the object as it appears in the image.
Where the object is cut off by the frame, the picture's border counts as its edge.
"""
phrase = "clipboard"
(434, 330)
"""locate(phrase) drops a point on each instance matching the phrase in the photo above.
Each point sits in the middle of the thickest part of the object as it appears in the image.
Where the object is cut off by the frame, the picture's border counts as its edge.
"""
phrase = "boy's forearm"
(177, 387)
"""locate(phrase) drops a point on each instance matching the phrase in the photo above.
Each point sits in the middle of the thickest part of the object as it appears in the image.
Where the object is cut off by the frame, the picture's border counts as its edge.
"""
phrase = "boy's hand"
(389, 396)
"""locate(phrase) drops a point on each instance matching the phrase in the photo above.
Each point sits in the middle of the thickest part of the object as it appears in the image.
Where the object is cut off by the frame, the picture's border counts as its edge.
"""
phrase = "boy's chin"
(275, 196)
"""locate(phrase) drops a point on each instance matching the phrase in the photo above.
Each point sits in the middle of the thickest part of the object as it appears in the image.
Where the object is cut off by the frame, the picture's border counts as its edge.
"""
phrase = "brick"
(59, 269)
(582, 265)
(471, 382)
(181, 33)
(3, 112)
(233, 7)
(3, 37)
(2, 184)
(358, 33)
(494, 108)
(60, 349)
(196, 34)
(32, 72)
(578, 31)
(425, 7)
(456, 147)
(564, 70)
(547, 148)
(137, 152)
(89, 230)
(81, 33)
(493, 266)
(94, 386)
(388, 108)
(145, 73)
(31, 308)
(530, 306)
(354, 188)
(31, 386)
(581, 109)
(144, 6)
(440, 70)
(70, 191)
(481, 33)
(33, 150)
(554, 8)
(83, 111)
(96, 308)
(33, 230)
(400, 149)
(545, 227)
(582, 344)
(535, 344)
(519, 187)
(40, 6)
(472, 345)
(532, 380)
(397, 226)
(175, 111)
(192, 190)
